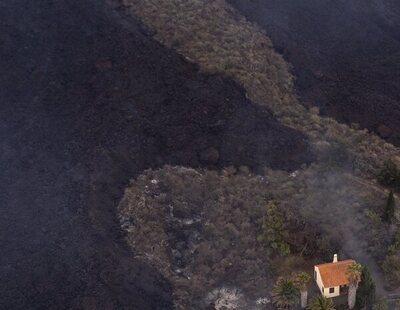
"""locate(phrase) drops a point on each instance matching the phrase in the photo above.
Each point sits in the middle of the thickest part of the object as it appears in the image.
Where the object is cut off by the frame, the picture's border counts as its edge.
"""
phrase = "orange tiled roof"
(334, 274)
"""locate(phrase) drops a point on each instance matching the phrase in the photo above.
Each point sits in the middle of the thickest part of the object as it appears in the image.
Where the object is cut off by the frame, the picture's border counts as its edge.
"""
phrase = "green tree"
(389, 174)
(353, 272)
(302, 281)
(285, 294)
(275, 232)
(389, 208)
(320, 302)
(366, 290)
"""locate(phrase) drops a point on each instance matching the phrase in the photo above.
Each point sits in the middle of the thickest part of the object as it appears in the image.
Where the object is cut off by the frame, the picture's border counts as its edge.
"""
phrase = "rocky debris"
(227, 299)
(104, 64)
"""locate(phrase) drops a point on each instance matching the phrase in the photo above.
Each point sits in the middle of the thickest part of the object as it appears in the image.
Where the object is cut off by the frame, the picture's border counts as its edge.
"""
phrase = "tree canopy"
(366, 290)
(285, 294)
(275, 232)
(353, 272)
(320, 302)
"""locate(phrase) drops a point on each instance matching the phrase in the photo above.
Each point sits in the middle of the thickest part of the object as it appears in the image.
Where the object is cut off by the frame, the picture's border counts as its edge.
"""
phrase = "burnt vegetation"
(206, 230)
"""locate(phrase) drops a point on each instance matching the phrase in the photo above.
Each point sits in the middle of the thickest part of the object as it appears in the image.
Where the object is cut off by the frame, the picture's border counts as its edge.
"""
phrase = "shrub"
(391, 267)
(391, 263)
(373, 216)
(380, 305)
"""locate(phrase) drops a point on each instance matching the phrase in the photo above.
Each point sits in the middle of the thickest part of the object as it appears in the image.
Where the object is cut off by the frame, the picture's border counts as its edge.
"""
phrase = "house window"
(322, 290)
(331, 290)
(315, 274)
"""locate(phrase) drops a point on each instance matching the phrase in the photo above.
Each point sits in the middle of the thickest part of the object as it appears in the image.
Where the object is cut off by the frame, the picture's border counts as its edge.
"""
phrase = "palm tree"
(353, 272)
(321, 303)
(285, 294)
(302, 280)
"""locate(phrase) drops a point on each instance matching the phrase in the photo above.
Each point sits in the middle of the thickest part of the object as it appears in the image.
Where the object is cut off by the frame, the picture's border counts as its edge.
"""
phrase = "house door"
(344, 289)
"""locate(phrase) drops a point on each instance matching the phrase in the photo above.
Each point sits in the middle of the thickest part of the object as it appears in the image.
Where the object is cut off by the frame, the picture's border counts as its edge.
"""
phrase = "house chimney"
(335, 260)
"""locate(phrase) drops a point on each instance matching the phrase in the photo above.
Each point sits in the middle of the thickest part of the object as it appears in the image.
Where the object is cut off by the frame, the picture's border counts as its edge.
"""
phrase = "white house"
(331, 277)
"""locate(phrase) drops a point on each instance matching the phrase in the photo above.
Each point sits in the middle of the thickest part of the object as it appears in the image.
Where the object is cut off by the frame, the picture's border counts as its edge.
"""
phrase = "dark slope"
(345, 54)
(87, 101)
(51, 257)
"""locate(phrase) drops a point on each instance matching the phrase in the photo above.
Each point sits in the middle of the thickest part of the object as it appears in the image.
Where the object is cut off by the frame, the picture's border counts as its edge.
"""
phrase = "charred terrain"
(193, 104)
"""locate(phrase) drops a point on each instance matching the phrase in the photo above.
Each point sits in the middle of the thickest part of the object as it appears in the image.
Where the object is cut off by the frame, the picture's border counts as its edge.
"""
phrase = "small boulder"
(209, 156)
(384, 131)
(104, 64)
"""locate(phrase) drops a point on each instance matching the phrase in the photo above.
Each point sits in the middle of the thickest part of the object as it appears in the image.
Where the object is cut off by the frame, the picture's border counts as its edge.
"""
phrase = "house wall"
(318, 279)
(334, 294)
(324, 290)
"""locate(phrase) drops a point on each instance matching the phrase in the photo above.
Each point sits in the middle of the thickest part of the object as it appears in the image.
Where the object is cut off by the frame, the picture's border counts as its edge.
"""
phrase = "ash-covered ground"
(87, 101)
